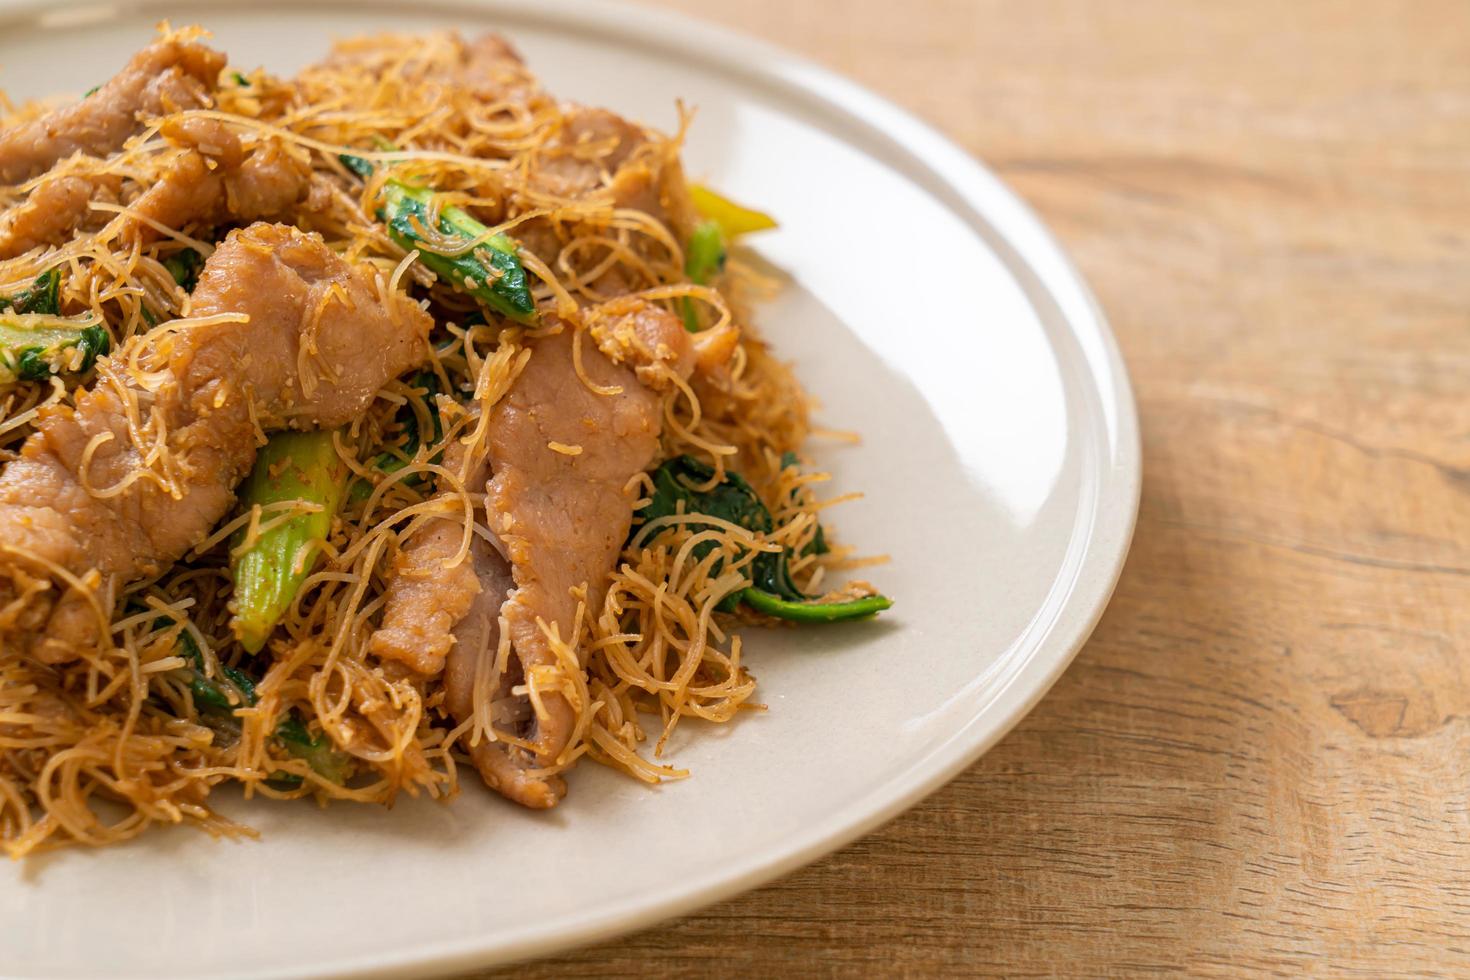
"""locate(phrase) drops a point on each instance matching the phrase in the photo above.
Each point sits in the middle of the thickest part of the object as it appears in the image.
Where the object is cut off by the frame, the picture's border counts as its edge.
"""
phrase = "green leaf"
(407, 421)
(317, 751)
(233, 690)
(491, 272)
(236, 689)
(30, 364)
(363, 168)
(184, 266)
(42, 296)
(772, 591)
(34, 346)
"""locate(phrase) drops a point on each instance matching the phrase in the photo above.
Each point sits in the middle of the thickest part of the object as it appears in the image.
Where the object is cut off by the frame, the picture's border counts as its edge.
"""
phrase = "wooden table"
(1260, 761)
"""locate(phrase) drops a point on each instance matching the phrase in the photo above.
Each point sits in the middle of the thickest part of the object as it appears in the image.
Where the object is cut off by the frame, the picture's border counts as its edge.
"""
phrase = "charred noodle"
(461, 305)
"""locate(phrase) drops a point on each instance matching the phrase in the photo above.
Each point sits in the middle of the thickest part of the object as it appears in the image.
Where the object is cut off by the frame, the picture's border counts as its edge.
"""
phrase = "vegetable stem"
(814, 612)
(292, 466)
(34, 346)
(704, 258)
(491, 272)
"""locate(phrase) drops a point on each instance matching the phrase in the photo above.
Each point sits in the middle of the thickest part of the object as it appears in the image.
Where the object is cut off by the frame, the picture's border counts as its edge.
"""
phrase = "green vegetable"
(184, 266)
(235, 689)
(804, 611)
(704, 258)
(734, 219)
(240, 79)
(408, 421)
(42, 296)
(772, 590)
(34, 346)
(491, 272)
(318, 751)
(292, 466)
(91, 92)
(35, 339)
(706, 251)
(363, 168)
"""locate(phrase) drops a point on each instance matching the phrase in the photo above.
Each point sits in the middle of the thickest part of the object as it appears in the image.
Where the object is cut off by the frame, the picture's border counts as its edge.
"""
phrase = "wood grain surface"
(1259, 762)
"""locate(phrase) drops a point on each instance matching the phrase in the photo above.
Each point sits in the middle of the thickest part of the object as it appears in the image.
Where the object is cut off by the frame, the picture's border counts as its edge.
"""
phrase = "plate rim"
(990, 203)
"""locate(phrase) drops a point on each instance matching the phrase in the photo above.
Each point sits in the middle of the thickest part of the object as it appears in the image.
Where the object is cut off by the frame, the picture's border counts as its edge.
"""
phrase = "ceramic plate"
(927, 309)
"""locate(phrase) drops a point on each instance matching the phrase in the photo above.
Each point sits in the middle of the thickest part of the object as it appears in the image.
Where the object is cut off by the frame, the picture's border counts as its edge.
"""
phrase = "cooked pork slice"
(429, 591)
(442, 614)
(601, 158)
(590, 144)
(54, 209)
(560, 458)
(167, 76)
(215, 180)
(488, 67)
(120, 486)
(476, 644)
(212, 181)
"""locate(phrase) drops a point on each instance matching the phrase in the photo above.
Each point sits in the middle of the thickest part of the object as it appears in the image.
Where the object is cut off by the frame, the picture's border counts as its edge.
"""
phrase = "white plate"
(930, 311)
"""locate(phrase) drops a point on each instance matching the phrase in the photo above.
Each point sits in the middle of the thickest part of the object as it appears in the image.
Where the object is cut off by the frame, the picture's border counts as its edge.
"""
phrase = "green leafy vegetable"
(184, 266)
(37, 342)
(491, 272)
(408, 421)
(772, 590)
(34, 346)
(362, 167)
(240, 79)
(292, 466)
(42, 296)
(316, 750)
(233, 688)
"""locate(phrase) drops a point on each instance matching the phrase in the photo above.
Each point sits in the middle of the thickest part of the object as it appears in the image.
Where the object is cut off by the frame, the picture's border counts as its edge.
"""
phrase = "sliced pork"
(487, 68)
(559, 457)
(55, 208)
(123, 484)
(212, 180)
(215, 180)
(170, 75)
(430, 592)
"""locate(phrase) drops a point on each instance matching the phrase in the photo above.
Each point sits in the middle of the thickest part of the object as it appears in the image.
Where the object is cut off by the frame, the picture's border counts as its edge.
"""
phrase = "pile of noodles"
(97, 750)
